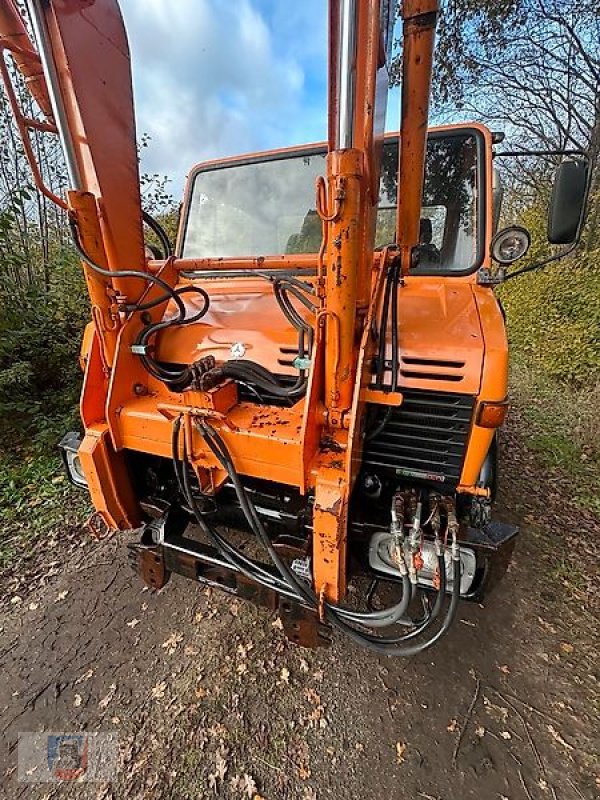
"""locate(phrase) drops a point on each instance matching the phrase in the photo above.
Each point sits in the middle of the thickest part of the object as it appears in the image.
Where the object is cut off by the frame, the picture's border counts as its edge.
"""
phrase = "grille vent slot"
(428, 369)
(287, 355)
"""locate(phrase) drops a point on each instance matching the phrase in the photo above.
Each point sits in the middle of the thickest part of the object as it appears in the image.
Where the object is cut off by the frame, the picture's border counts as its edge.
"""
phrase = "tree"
(530, 68)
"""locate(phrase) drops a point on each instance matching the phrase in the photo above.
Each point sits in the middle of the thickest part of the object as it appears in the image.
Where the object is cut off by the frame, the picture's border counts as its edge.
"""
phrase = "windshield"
(264, 208)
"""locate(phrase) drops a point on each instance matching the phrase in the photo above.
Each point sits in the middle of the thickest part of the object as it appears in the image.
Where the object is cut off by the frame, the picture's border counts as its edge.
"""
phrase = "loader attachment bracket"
(202, 563)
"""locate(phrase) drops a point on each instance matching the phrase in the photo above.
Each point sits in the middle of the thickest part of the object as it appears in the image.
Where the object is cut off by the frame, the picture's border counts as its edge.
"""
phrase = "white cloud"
(214, 78)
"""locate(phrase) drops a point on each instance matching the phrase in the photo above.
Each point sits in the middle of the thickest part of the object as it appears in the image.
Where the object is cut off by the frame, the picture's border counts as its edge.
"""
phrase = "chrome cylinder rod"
(45, 52)
(346, 77)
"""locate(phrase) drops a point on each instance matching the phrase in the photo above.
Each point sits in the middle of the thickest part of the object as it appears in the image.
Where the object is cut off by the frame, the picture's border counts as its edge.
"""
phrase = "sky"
(214, 78)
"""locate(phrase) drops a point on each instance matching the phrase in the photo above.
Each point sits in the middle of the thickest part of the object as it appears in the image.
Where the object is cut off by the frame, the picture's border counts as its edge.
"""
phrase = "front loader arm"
(78, 72)
(86, 90)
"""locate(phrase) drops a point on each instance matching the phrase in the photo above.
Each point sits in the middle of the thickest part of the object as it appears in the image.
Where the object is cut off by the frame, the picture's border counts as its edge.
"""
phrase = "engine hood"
(441, 344)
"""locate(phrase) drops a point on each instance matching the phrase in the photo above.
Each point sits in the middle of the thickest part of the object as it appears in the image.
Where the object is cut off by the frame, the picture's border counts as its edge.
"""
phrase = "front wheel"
(480, 508)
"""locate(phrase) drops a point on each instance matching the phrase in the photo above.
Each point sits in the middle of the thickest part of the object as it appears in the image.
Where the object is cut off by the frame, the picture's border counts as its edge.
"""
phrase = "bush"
(554, 320)
(40, 335)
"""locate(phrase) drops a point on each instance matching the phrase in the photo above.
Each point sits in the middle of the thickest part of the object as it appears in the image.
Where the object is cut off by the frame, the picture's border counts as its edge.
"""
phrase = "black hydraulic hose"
(238, 560)
(143, 338)
(160, 232)
(378, 644)
(162, 299)
(374, 432)
(124, 273)
(392, 282)
(297, 284)
(255, 374)
(160, 373)
(425, 622)
(380, 618)
(384, 617)
(386, 647)
(288, 310)
(395, 357)
(383, 330)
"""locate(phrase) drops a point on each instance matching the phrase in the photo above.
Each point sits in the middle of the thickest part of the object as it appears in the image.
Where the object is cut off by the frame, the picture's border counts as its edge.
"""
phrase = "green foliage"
(40, 335)
(563, 427)
(36, 502)
(554, 318)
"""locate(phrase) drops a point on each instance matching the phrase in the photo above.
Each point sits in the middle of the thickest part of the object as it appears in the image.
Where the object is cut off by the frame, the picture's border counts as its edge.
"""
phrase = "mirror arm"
(541, 264)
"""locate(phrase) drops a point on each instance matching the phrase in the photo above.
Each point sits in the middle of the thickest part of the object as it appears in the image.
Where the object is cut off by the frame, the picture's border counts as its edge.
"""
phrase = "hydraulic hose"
(239, 561)
(390, 299)
(385, 617)
(123, 273)
(160, 232)
(259, 376)
(387, 646)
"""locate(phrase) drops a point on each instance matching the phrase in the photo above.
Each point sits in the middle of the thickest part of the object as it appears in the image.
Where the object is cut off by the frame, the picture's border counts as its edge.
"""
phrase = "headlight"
(510, 244)
(70, 447)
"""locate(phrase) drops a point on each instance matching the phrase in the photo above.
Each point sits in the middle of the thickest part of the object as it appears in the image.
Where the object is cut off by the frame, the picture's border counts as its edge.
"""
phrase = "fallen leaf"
(506, 735)
(16, 600)
(219, 773)
(480, 731)
(111, 693)
(452, 726)
(61, 595)
(303, 665)
(33, 606)
(86, 676)
(277, 624)
(132, 623)
(248, 785)
(77, 701)
(400, 750)
(558, 738)
(566, 647)
(158, 691)
(505, 669)
(172, 643)
(285, 675)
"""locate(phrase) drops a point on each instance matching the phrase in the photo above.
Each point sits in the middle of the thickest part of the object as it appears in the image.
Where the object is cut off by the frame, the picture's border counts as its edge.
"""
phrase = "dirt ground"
(210, 700)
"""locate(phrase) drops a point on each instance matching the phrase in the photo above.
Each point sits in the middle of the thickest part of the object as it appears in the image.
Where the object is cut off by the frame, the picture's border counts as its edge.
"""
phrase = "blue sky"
(215, 78)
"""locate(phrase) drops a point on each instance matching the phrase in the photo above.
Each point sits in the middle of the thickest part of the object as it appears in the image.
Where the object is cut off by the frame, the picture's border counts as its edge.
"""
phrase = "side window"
(449, 222)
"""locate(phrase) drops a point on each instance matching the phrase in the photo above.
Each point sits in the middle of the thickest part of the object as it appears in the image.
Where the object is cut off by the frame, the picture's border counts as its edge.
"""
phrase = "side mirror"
(567, 205)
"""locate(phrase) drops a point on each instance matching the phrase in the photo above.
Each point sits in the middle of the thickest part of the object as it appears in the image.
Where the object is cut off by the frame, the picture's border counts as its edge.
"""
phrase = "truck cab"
(453, 352)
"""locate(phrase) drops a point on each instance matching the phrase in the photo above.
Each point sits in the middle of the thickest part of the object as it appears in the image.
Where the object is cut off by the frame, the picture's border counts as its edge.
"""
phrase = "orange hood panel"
(440, 334)
(441, 343)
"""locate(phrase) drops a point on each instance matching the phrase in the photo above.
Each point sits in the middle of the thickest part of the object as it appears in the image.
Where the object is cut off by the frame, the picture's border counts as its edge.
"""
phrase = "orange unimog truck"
(307, 390)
